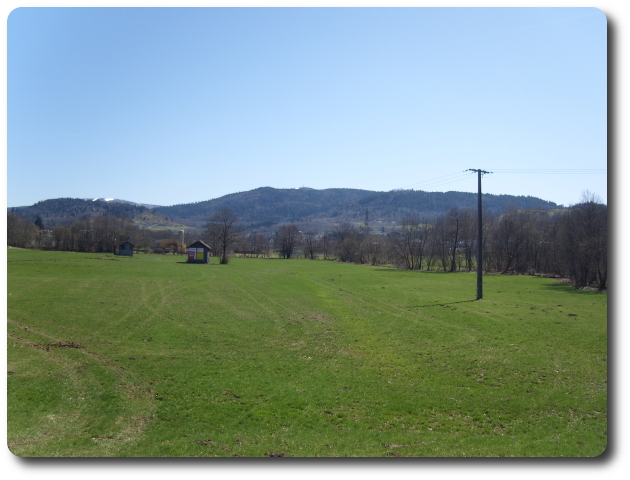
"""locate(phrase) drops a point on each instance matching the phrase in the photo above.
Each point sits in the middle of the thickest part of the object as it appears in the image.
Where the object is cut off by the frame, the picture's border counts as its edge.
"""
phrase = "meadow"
(150, 356)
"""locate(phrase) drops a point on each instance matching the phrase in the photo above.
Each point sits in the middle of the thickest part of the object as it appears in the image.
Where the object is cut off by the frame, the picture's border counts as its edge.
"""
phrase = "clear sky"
(168, 106)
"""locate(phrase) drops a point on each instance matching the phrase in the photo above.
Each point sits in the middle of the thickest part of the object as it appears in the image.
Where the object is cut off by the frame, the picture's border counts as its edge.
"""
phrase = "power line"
(553, 171)
(439, 180)
(445, 182)
(458, 176)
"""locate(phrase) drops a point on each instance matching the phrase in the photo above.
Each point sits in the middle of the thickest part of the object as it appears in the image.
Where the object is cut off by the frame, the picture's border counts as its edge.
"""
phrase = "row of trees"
(21, 232)
(90, 234)
(570, 243)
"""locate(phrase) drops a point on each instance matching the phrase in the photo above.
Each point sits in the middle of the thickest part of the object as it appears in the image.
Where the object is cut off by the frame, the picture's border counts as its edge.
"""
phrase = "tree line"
(99, 233)
(569, 243)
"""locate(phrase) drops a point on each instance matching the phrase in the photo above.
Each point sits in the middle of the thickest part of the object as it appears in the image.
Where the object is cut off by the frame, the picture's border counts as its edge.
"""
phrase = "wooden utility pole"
(479, 234)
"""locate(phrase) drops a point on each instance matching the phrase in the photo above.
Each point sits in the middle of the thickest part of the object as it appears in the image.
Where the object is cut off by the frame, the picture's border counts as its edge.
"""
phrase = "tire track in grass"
(379, 348)
(282, 308)
(161, 293)
(346, 304)
(158, 296)
(253, 298)
(149, 304)
(369, 305)
(317, 338)
(400, 311)
(134, 393)
(356, 296)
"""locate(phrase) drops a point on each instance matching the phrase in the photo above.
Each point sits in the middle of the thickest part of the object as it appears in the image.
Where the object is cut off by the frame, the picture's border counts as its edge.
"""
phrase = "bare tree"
(468, 236)
(584, 240)
(441, 241)
(527, 257)
(310, 244)
(58, 236)
(508, 239)
(371, 250)
(260, 245)
(548, 260)
(287, 237)
(408, 242)
(347, 240)
(325, 246)
(452, 232)
(433, 243)
(20, 231)
(82, 232)
(223, 228)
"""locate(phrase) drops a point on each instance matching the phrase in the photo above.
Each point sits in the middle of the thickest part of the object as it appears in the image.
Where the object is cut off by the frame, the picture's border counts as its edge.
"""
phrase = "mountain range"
(265, 208)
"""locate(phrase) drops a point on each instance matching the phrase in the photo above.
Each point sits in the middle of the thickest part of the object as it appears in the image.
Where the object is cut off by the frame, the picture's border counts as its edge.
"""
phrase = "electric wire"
(553, 171)
(433, 179)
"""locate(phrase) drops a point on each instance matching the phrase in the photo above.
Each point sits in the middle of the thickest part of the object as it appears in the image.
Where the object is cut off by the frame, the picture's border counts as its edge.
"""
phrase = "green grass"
(297, 357)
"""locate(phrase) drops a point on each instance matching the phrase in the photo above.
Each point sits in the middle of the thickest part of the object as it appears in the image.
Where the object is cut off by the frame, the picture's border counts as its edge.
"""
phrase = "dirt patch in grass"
(205, 442)
(65, 345)
(48, 346)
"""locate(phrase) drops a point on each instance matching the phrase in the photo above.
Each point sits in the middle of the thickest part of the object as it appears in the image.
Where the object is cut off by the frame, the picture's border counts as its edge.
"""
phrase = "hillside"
(67, 210)
(263, 209)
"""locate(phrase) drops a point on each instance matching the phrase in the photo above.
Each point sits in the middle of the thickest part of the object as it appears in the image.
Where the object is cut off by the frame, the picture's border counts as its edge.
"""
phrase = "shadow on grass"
(190, 263)
(268, 258)
(569, 288)
(442, 304)
(428, 272)
(209, 263)
(285, 259)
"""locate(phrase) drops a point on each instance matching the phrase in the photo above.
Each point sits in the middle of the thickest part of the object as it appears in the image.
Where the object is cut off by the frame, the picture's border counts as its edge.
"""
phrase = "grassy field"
(150, 356)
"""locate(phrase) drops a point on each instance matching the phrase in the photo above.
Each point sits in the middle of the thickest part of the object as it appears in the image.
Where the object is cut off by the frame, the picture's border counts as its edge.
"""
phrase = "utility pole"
(479, 234)
(367, 224)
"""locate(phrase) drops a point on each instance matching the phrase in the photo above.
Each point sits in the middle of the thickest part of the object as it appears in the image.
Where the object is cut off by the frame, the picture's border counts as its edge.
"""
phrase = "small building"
(167, 245)
(198, 252)
(124, 248)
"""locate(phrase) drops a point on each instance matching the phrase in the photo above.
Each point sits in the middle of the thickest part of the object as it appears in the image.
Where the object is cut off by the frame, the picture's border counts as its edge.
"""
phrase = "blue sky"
(168, 106)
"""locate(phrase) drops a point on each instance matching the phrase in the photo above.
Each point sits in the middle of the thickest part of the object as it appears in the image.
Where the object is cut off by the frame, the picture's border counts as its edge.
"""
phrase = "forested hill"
(266, 206)
(67, 210)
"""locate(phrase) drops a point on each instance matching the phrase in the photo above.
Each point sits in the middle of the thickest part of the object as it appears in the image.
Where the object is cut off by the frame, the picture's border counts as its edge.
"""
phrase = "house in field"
(198, 252)
(124, 248)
